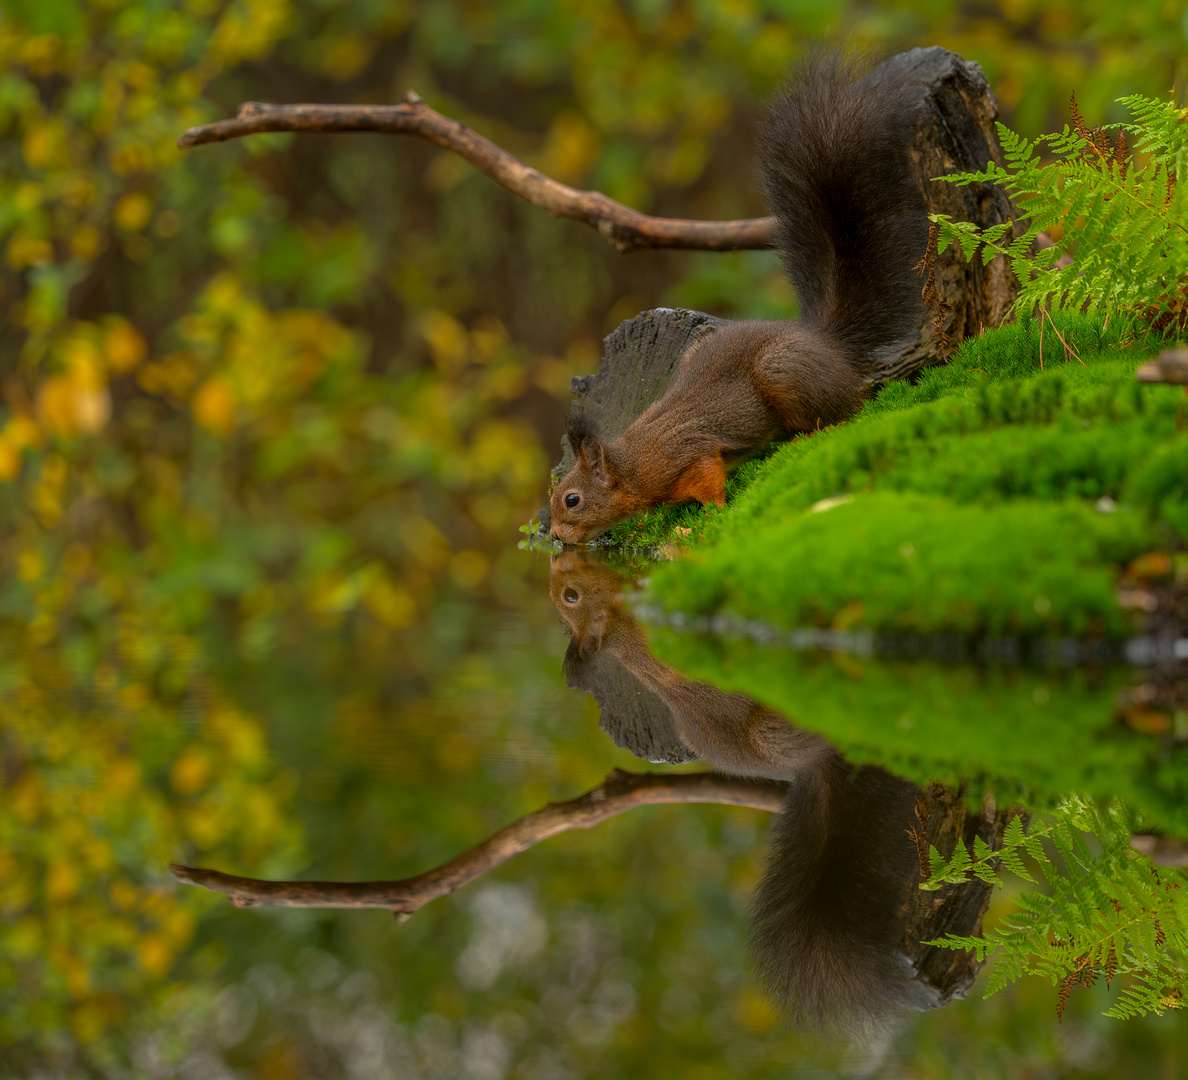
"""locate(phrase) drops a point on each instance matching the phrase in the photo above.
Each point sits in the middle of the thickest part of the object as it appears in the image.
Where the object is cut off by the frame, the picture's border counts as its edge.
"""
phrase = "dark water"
(323, 755)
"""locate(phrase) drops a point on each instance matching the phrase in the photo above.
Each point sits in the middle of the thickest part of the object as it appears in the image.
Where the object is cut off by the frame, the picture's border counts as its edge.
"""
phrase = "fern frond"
(1107, 910)
(1126, 225)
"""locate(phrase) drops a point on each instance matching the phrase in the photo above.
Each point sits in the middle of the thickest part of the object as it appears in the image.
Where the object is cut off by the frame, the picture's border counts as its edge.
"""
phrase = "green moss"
(989, 497)
(921, 563)
(974, 499)
(1029, 735)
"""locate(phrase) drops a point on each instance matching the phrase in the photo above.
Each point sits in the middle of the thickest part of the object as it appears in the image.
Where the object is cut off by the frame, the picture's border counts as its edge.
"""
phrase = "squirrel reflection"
(829, 913)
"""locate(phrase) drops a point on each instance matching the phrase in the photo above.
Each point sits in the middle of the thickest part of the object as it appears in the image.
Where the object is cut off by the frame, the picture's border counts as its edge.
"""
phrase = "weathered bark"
(639, 361)
(634, 717)
(957, 133)
(952, 909)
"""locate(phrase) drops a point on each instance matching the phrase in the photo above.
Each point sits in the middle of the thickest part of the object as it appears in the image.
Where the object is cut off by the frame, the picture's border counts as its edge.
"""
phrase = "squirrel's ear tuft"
(578, 428)
(587, 446)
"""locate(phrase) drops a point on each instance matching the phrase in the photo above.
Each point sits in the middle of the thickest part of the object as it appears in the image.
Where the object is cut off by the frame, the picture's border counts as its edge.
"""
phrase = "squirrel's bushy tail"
(829, 912)
(837, 173)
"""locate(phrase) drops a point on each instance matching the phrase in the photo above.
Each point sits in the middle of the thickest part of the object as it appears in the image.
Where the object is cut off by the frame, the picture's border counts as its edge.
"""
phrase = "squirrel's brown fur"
(837, 173)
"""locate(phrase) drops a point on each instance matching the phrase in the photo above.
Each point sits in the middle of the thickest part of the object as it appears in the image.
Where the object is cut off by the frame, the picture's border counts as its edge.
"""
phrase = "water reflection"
(837, 916)
(621, 948)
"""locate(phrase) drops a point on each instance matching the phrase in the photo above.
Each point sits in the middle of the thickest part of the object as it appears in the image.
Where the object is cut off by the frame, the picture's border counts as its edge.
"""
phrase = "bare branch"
(625, 228)
(620, 791)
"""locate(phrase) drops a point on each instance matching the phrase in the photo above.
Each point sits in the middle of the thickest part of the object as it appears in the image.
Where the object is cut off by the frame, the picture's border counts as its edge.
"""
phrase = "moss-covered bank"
(991, 496)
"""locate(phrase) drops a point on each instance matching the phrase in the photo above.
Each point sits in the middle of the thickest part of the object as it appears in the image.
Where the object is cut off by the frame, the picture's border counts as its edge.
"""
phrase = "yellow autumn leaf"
(42, 145)
(214, 405)
(449, 343)
(122, 777)
(489, 336)
(190, 771)
(61, 881)
(24, 250)
(25, 798)
(239, 734)
(93, 1017)
(124, 348)
(154, 953)
(30, 565)
(177, 924)
(74, 971)
(390, 601)
(123, 894)
(571, 147)
(753, 1011)
(76, 401)
(39, 53)
(344, 57)
(246, 31)
(133, 211)
(26, 937)
(10, 457)
(85, 242)
(468, 568)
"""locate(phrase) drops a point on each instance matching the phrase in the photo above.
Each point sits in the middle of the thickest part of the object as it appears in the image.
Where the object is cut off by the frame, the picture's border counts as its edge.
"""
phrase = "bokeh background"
(271, 413)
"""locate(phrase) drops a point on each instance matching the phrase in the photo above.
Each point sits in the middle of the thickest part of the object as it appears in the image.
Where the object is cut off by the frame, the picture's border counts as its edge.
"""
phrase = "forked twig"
(620, 791)
(1069, 350)
(623, 227)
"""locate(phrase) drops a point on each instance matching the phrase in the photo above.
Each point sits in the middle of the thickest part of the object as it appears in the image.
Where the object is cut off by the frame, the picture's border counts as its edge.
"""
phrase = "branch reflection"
(837, 918)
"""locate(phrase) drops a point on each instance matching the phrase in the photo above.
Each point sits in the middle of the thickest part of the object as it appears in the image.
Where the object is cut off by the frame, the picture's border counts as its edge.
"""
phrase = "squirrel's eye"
(571, 596)
(572, 499)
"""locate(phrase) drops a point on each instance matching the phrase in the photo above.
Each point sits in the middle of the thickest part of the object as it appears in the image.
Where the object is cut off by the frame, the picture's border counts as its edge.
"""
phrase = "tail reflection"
(831, 913)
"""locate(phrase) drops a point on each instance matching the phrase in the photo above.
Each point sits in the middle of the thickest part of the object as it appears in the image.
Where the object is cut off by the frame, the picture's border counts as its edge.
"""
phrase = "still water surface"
(322, 754)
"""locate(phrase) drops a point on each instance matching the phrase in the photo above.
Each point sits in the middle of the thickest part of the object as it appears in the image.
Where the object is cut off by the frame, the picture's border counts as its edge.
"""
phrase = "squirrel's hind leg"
(807, 383)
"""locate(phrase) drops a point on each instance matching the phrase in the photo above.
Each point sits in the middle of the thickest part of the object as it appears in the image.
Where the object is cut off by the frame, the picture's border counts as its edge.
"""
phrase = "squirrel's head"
(588, 596)
(585, 503)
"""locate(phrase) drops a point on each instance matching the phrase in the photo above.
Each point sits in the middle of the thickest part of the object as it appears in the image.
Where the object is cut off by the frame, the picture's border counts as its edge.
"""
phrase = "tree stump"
(957, 133)
(639, 361)
(952, 909)
(632, 715)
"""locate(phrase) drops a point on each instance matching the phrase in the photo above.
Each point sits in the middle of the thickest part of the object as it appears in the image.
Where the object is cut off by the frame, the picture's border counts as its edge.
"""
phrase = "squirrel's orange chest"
(704, 480)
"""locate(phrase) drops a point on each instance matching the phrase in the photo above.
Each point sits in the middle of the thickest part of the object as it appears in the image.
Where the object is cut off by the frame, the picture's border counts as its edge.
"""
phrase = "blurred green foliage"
(270, 413)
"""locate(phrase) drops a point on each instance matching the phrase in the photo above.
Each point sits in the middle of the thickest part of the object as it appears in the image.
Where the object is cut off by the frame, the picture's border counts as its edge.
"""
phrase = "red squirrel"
(837, 172)
(829, 914)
